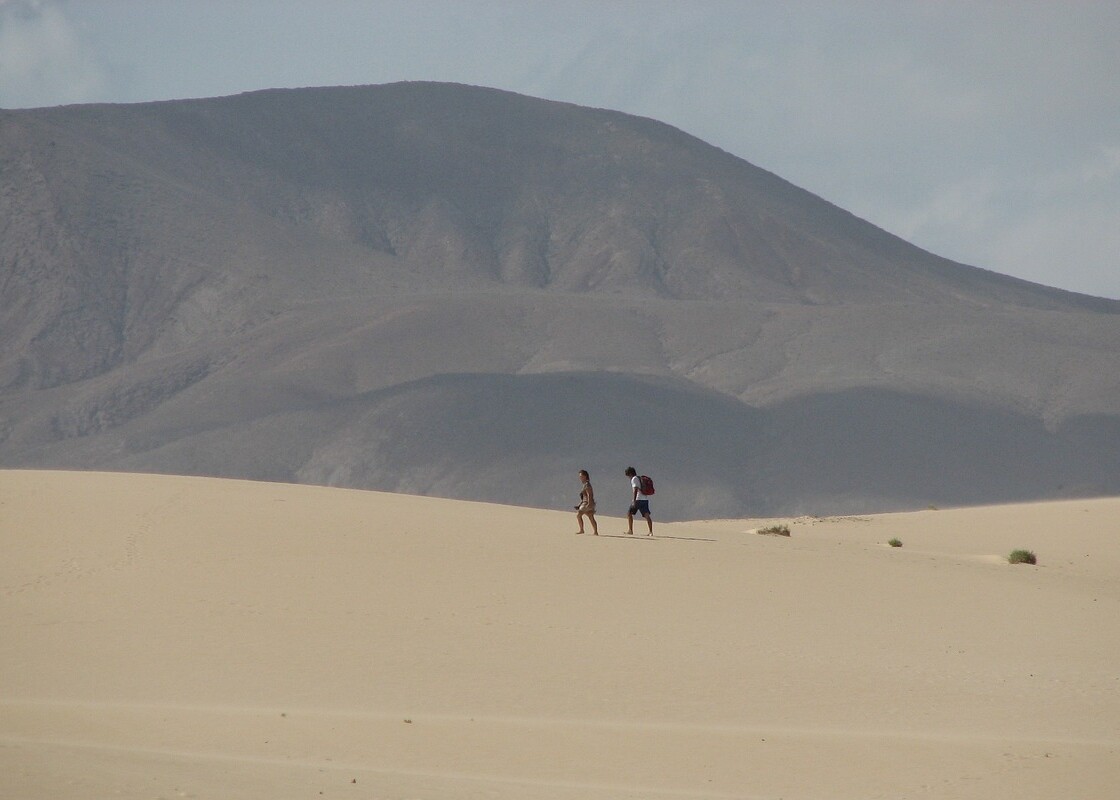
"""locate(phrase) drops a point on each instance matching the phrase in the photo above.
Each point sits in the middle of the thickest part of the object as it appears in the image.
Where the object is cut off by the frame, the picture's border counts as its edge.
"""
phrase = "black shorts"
(640, 507)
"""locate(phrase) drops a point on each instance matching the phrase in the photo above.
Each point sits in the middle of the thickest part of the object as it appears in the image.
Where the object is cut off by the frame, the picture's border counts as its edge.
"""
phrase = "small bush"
(895, 543)
(1022, 557)
(775, 530)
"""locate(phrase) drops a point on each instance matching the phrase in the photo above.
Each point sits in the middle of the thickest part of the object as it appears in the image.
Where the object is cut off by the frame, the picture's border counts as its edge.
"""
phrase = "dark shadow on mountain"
(521, 439)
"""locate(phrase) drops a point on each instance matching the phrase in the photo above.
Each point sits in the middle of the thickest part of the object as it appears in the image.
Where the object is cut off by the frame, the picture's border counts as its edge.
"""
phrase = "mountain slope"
(240, 286)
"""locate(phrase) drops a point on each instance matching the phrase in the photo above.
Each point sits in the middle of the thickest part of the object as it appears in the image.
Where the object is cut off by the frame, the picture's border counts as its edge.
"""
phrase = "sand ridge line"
(295, 713)
(336, 766)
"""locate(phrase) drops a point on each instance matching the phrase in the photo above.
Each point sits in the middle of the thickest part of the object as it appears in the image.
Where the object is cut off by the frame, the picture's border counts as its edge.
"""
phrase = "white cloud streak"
(41, 55)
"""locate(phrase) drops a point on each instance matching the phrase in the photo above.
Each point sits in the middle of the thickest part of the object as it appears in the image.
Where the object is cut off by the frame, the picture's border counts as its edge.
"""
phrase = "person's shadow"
(647, 538)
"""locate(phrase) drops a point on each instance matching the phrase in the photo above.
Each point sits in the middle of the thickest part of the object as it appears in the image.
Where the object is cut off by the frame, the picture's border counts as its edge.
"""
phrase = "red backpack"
(645, 484)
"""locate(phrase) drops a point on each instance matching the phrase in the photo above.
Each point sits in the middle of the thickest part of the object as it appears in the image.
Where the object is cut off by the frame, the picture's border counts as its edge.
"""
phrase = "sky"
(985, 132)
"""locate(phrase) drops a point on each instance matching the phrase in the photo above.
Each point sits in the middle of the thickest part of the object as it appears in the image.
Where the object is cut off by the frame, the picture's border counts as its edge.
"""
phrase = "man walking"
(639, 503)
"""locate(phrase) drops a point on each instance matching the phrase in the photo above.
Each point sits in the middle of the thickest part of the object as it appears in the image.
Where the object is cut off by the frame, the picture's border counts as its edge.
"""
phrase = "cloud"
(1078, 243)
(42, 55)
(1055, 226)
(1066, 224)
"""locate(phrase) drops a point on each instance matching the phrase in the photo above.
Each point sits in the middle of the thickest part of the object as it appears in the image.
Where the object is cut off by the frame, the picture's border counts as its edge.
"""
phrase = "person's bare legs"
(629, 523)
(594, 524)
(579, 519)
(649, 522)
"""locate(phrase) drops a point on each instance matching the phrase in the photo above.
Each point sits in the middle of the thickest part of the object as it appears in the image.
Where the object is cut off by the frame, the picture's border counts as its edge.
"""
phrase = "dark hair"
(585, 474)
(630, 472)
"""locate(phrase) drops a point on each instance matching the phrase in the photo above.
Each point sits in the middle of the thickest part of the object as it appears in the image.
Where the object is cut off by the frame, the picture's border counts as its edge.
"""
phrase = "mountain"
(451, 290)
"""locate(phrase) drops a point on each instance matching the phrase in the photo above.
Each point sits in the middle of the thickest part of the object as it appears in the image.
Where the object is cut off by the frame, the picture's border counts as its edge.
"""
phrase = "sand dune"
(186, 637)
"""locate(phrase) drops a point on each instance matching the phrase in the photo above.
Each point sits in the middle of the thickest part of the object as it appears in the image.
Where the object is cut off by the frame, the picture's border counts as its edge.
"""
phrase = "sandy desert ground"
(168, 637)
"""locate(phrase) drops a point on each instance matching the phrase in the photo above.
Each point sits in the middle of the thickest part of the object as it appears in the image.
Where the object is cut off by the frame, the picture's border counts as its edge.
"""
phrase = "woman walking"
(586, 505)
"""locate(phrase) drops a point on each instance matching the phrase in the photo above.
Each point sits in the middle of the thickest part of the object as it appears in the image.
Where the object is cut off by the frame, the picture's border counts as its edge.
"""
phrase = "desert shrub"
(895, 543)
(1022, 557)
(775, 530)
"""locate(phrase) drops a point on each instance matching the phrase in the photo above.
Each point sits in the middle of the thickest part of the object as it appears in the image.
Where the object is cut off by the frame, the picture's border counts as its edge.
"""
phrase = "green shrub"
(1022, 557)
(775, 530)
(895, 543)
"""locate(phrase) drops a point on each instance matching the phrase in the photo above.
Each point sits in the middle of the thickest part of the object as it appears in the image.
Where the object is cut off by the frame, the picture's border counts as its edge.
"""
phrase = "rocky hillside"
(452, 290)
